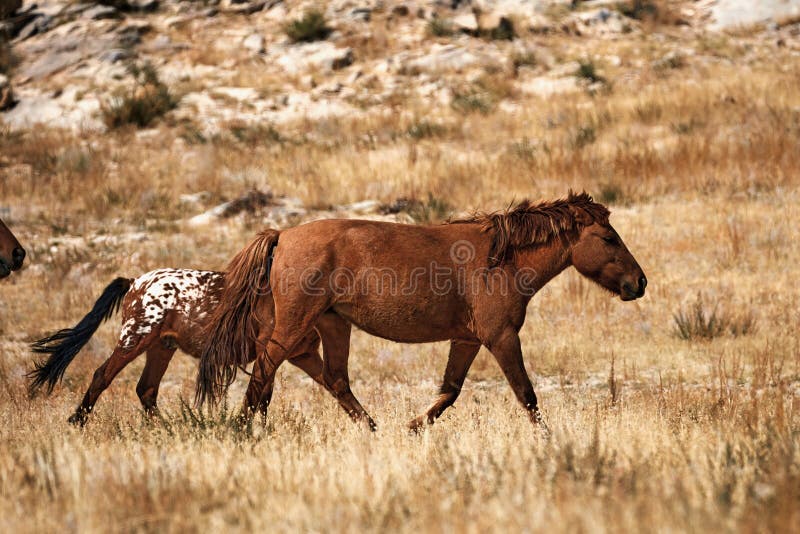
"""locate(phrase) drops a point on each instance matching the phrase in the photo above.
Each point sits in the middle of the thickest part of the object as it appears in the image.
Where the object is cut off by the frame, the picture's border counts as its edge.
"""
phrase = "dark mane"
(529, 223)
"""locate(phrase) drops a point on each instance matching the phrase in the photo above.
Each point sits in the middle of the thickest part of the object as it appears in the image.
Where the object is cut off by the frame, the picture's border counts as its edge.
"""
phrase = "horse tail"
(233, 326)
(65, 344)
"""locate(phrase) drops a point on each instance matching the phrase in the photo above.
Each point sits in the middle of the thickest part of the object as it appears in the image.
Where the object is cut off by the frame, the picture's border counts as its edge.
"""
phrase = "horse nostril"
(18, 256)
(642, 283)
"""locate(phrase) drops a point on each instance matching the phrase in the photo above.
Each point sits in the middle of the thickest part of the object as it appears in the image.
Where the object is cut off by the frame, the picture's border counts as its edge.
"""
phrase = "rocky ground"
(232, 68)
(233, 61)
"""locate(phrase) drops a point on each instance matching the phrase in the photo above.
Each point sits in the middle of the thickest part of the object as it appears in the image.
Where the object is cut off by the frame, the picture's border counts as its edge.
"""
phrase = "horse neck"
(547, 260)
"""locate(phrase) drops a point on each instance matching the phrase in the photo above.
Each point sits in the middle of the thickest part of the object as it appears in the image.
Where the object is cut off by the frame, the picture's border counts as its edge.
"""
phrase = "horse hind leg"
(157, 361)
(281, 344)
(335, 334)
(103, 377)
(307, 360)
(462, 354)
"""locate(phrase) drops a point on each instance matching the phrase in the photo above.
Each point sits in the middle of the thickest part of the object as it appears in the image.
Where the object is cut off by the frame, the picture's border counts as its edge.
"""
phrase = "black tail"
(65, 344)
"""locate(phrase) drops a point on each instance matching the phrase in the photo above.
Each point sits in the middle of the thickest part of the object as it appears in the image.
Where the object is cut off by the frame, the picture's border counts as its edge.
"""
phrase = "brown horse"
(161, 311)
(11, 252)
(468, 281)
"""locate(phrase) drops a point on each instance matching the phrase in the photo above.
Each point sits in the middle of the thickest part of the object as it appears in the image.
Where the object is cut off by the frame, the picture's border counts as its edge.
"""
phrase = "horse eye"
(611, 240)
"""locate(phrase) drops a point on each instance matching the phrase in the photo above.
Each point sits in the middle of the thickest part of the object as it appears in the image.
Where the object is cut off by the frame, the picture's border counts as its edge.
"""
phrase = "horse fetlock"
(338, 387)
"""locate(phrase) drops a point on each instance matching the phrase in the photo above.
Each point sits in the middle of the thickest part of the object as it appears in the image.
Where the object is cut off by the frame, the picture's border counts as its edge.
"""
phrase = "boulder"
(100, 12)
(451, 57)
(732, 13)
(318, 55)
(39, 23)
(362, 14)
(254, 43)
(601, 21)
(466, 22)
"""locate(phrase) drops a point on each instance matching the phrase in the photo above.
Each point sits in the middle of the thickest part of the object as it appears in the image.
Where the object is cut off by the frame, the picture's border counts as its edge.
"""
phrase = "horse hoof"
(151, 413)
(77, 419)
(538, 420)
(417, 425)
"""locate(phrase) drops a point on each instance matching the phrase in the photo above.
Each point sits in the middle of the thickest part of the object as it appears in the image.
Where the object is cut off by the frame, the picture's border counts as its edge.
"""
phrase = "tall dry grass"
(699, 162)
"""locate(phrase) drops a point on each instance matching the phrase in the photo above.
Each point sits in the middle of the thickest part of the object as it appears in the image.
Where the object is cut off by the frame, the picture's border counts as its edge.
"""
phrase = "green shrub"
(504, 31)
(588, 71)
(523, 59)
(311, 27)
(148, 100)
(440, 27)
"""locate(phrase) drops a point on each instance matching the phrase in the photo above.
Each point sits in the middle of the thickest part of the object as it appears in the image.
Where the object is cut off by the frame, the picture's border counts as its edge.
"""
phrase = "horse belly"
(406, 324)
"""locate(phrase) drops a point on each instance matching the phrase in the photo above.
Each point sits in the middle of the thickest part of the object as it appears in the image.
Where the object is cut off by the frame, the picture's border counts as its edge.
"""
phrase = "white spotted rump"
(189, 293)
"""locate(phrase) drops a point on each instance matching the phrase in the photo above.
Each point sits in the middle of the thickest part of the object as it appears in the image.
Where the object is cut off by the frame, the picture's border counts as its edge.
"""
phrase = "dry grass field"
(699, 161)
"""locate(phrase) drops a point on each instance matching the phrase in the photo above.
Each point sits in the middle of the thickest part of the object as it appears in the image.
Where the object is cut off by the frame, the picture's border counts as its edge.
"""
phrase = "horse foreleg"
(507, 350)
(158, 358)
(462, 354)
(102, 378)
(335, 334)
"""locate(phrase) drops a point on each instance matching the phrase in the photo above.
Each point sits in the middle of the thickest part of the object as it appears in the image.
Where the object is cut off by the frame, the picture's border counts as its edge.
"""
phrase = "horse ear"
(581, 216)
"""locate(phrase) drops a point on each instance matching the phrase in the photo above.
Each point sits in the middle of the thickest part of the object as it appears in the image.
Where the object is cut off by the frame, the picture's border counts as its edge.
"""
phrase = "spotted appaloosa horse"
(11, 252)
(162, 310)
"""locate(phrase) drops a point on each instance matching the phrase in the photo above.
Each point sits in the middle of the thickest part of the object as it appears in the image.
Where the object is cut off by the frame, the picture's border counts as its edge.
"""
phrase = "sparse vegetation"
(424, 129)
(650, 11)
(504, 31)
(310, 27)
(255, 134)
(523, 59)
(431, 210)
(584, 135)
(438, 27)
(707, 319)
(473, 100)
(588, 71)
(146, 101)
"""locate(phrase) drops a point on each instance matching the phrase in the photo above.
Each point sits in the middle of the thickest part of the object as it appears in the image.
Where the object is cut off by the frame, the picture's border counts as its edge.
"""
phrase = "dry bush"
(651, 12)
(707, 319)
(438, 27)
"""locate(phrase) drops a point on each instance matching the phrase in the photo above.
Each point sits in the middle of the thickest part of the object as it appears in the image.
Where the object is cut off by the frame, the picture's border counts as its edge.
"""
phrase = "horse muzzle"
(635, 291)
(14, 263)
